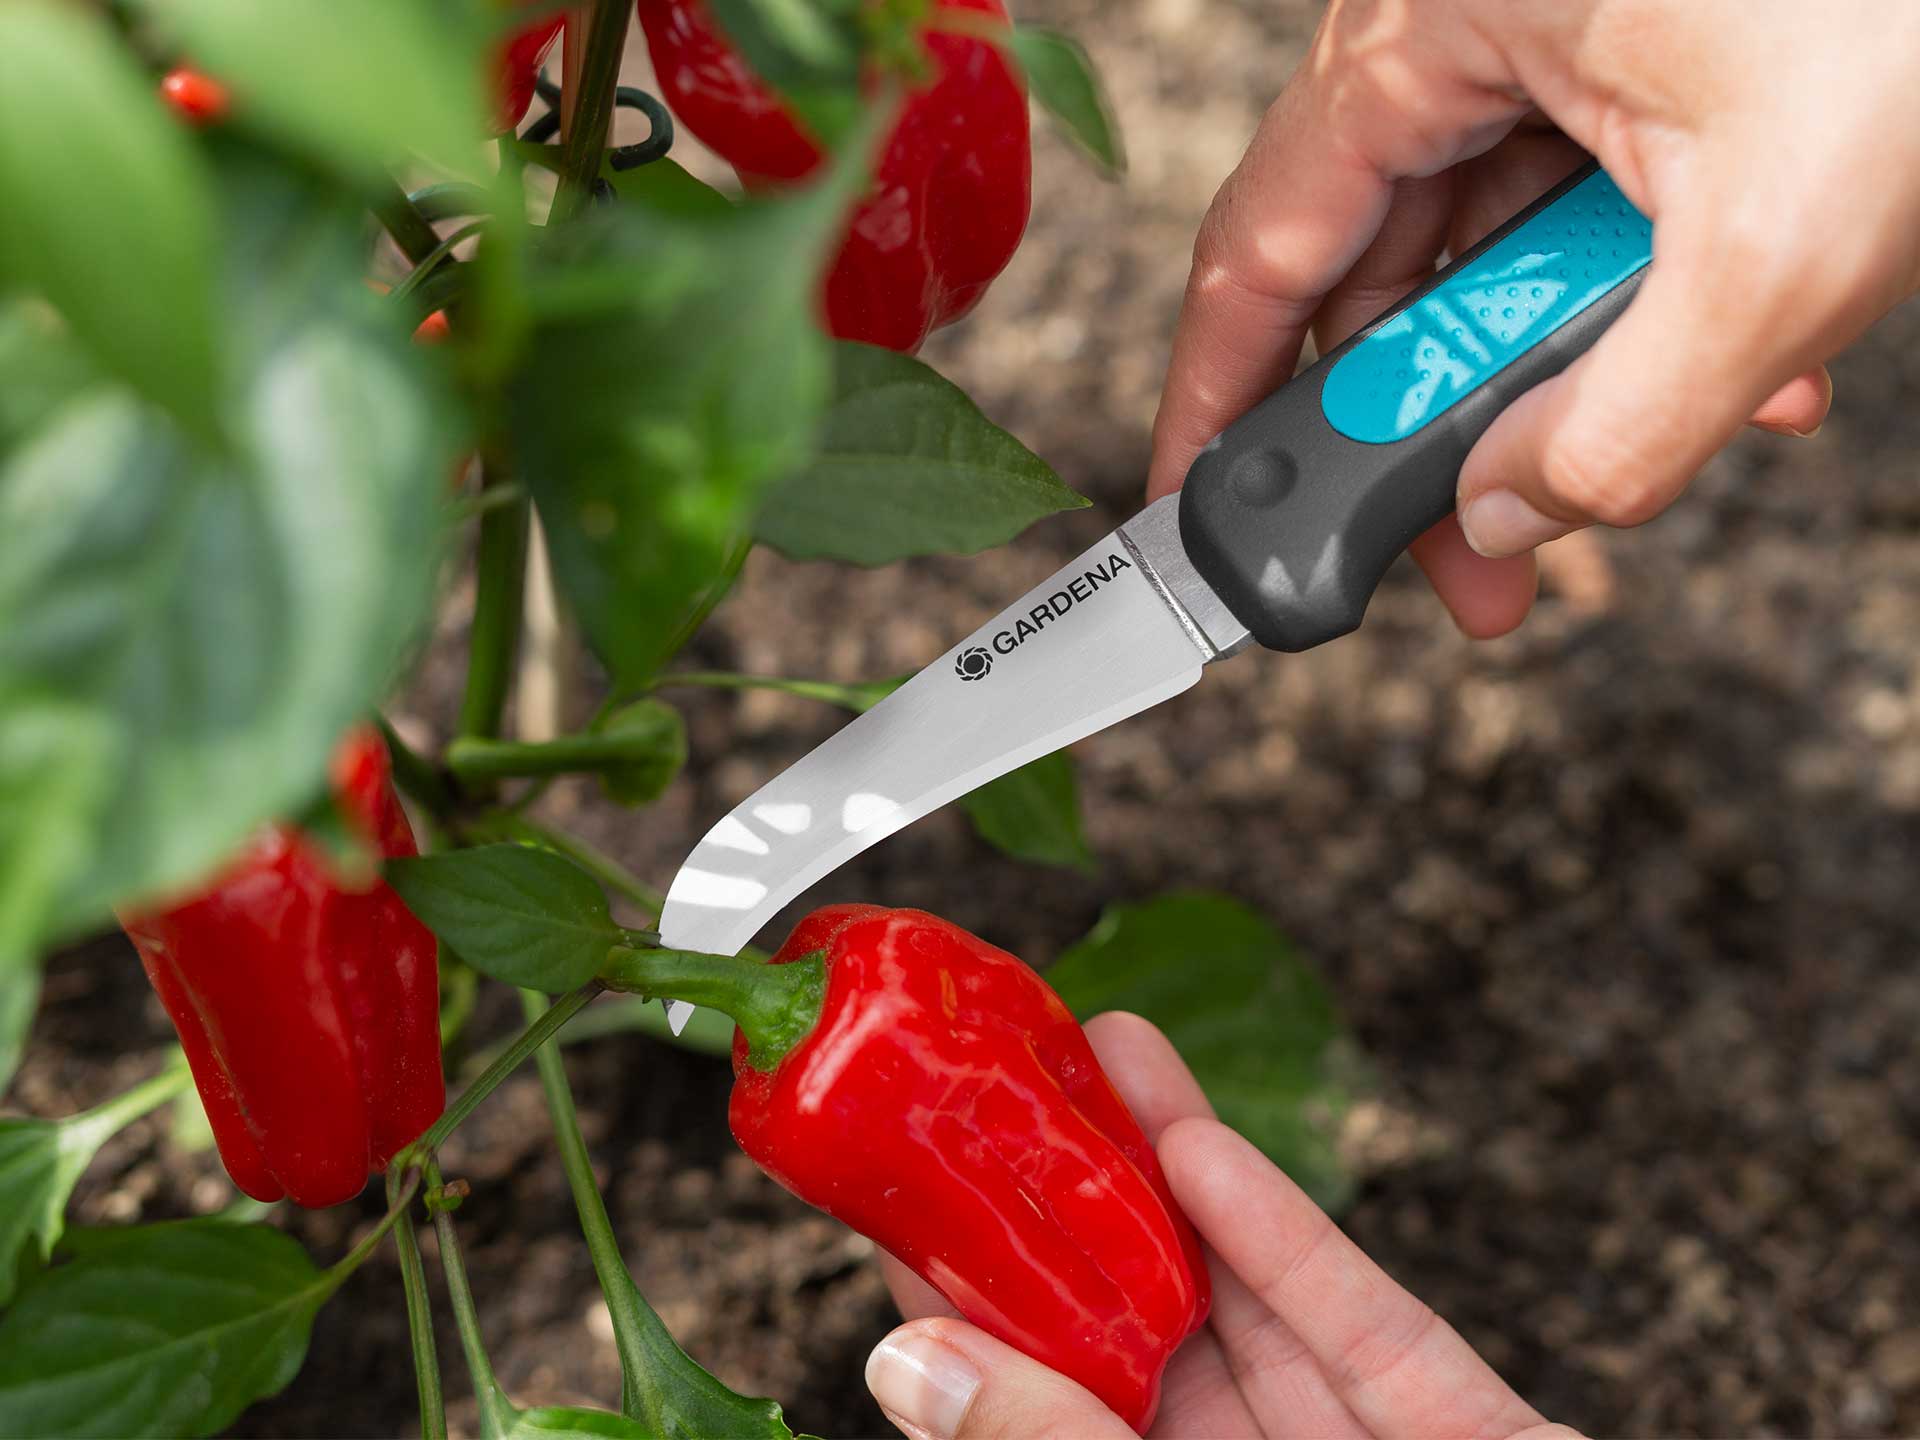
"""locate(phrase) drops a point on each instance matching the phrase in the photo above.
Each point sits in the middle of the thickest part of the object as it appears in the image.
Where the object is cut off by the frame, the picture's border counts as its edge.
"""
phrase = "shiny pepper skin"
(951, 191)
(197, 98)
(517, 66)
(309, 1011)
(947, 1105)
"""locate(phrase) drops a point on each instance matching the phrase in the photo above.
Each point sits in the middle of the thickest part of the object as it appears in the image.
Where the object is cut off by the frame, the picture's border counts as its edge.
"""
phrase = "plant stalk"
(495, 641)
(496, 1412)
(528, 1041)
(775, 1006)
(591, 119)
(426, 1355)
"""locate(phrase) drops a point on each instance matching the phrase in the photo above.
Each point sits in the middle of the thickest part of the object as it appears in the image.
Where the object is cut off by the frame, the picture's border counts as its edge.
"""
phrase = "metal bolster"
(1153, 539)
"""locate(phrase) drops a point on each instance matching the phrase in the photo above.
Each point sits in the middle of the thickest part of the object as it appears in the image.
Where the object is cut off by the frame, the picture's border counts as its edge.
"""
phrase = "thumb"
(942, 1379)
(1616, 437)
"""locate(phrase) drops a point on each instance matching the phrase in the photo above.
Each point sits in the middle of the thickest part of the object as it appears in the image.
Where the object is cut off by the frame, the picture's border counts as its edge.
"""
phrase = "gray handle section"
(1293, 520)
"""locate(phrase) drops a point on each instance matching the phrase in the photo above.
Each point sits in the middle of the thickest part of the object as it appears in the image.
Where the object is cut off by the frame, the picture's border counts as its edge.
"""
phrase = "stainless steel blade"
(1126, 625)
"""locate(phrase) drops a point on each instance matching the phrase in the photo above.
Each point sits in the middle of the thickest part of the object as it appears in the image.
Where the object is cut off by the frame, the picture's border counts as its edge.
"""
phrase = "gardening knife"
(1287, 521)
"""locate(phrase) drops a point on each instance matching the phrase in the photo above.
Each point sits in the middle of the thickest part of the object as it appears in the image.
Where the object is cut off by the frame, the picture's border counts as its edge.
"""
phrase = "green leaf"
(675, 372)
(808, 50)
(1033, 813)
(358, 84)
(1257, 1025)
(664, 186)
(1062, 78)
(526, 916)
(188, 634)
(40, 1160)
(109, 213)
(564, 1422)
(166, 1330)
(650, 743)
(41, 369)
(56, 766)
(907, 465)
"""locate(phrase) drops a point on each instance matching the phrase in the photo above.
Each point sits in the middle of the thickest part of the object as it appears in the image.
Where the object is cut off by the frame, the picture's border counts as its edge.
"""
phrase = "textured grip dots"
(1448, 342)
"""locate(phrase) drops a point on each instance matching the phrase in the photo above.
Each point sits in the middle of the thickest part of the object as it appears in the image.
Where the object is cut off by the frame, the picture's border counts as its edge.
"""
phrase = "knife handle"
(1295, 511)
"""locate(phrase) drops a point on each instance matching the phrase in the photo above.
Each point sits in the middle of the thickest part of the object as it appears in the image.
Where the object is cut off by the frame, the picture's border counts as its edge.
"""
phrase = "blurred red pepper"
(309, 1010)
(517, 67)
(198, 98)
(935, 1094)
(951, 191)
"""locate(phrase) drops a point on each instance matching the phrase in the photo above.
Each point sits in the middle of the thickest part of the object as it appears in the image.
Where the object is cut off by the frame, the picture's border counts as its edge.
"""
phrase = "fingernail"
(922, 1381)
(1500, 523)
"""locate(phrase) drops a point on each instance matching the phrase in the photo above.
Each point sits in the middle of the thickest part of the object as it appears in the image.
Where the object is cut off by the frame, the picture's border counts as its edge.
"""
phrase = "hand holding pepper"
(1308, 1336)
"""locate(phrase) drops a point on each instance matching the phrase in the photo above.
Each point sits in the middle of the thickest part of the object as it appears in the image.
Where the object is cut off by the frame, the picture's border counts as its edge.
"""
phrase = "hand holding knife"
(1285, 526)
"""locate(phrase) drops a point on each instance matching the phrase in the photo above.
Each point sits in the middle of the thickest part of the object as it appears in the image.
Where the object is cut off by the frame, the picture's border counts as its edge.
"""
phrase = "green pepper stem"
(403, 220)
(114, 1115)
(502, 569)
(496, 1411)
(775, 1006)
(528, 1041)
(475, 758)
(413, 1279)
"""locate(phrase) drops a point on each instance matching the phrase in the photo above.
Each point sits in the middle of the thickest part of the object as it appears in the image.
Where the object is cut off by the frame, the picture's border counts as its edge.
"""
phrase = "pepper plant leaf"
(358, 84)
(40, 1160)
(1033, 813)
(1062, 78)
(210, 622)
(573, 1422)
(109, 210)
(1253, 1020)
(674, 371)
(906, 465)
(160, 1330)
(526, 916)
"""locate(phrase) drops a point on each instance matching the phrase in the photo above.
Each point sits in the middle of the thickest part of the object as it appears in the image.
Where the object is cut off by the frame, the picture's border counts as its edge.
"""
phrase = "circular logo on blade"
(974, 663)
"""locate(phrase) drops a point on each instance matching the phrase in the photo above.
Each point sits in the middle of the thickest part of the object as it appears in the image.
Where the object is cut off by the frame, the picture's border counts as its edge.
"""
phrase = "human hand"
(1307, 1336)
(1775, 145)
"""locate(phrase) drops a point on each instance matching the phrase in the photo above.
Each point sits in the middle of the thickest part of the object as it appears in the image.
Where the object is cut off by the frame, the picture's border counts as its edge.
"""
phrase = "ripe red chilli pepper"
(309, 1010)
(935, 1094)
(516, 67)
(198, 98)
(951, 191)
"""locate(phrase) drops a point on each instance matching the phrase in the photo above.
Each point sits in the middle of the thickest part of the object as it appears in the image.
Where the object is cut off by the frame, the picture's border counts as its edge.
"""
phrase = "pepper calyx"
(775, 1006)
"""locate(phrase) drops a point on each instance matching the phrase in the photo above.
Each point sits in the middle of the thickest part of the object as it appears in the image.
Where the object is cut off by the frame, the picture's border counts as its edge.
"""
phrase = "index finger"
(1385, 94)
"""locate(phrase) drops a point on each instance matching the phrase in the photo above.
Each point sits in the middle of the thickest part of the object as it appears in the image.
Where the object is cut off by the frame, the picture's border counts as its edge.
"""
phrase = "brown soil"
(1622, 908)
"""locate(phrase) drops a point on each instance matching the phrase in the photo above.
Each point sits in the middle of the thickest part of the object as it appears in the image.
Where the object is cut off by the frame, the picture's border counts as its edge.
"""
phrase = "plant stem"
(114, 1115)
(410, 229)
(425, 267)
(496, 1413)
(775, 1006)
(529, 1040)
(851, 697)
(592, 120)
(596, 862)
(495, 640)
(426, 1355)
(400, 1196)
(415, 774)
(478, 759)
(636, 1328)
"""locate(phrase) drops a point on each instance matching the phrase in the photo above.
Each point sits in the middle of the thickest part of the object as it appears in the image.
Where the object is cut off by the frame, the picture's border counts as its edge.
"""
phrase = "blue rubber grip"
(1295, 511)
(1460, 334)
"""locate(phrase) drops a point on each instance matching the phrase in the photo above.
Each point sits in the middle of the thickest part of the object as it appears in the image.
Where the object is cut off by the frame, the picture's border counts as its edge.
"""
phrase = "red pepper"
(935, 1094)
(309, 1010)
(198, 98)
(517, 66)
(951, 191)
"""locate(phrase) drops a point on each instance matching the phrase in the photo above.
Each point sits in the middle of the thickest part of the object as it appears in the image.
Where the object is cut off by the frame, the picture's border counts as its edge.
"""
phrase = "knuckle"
(1599, 480)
